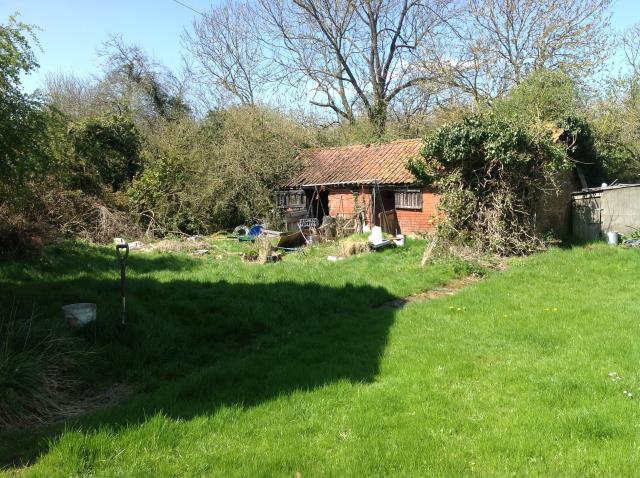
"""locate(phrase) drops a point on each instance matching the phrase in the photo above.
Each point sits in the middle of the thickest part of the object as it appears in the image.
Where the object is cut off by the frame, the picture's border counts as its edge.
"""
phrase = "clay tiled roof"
(358, 164)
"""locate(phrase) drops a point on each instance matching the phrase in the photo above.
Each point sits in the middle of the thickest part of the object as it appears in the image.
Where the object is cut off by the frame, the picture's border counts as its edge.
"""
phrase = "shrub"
(105, 152)
(491, 174)
(201, 177)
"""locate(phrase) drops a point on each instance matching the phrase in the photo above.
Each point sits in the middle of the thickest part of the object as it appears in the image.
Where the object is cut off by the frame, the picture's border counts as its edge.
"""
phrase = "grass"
(248, 370)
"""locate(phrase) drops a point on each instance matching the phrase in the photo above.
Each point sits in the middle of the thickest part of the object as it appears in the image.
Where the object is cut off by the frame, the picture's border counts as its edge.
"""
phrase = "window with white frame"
(408, 199)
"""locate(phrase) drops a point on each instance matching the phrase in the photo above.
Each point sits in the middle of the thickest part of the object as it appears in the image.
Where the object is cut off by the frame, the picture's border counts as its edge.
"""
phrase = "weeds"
(37, 371)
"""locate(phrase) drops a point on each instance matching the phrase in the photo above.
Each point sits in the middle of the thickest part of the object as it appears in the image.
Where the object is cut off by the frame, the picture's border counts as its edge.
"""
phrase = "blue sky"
(73, 30)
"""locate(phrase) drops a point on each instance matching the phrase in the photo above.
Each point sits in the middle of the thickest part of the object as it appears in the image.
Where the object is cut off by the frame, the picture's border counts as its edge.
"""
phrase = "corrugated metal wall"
(612, 209)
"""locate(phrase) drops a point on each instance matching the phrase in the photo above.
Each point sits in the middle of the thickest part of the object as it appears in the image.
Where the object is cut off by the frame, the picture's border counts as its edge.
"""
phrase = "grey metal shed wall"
(609, 209)
(621, 210)
(587, 216)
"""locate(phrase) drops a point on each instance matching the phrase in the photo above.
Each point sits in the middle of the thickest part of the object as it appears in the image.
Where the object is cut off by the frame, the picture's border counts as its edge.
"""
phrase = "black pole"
(122, 259)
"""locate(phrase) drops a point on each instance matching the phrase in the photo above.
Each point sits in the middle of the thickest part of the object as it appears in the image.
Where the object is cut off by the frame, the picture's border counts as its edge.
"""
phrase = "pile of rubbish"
(635, 242)
(378, 241)
(192, 244)
(311, 232)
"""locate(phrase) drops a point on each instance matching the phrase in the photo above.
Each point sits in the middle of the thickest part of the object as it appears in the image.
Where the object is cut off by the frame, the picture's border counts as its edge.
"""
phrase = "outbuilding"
(597, 211)
(366, 181)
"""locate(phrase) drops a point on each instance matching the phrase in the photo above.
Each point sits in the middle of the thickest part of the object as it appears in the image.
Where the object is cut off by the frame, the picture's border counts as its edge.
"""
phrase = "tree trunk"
(378, 117)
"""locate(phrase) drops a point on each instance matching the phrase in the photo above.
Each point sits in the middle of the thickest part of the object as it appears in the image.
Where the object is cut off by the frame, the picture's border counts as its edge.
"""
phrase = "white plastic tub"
(399, 240)
(79, 315)
(613, 238)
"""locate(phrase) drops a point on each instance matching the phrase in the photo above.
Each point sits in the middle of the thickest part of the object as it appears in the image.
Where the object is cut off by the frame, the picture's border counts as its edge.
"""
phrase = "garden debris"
(271, 233)
(253, 256)
(79, 315)
(428, 251)
(255, 230)
(334, 258)
(200, 252)
(291, 240)
(118, 241)
(354, 245)
(632, 242)
(377, 240)
(329, 227)
(241, 230)
(176, 245)
(399, 240)
(265, 253)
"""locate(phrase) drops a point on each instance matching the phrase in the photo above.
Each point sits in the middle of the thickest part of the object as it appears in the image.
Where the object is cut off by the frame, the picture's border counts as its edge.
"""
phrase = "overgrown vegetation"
(305, 367)
(140, 149)
(494, 168)
(124, 155)
(204, 176)
(492, 175)
(38, 370)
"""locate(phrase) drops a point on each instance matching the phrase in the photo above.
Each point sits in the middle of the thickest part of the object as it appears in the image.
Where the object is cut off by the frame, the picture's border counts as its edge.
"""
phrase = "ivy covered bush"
(491, 174)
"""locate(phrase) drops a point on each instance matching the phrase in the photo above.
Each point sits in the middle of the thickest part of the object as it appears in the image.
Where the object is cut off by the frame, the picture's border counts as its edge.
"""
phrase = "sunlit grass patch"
(245, 370)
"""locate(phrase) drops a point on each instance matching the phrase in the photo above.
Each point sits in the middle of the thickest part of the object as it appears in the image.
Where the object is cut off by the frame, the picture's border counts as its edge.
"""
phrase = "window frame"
(408, 198)
(291, 199)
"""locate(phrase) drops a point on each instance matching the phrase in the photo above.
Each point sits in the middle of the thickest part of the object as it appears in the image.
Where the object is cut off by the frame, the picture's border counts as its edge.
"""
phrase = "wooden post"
(428, 251)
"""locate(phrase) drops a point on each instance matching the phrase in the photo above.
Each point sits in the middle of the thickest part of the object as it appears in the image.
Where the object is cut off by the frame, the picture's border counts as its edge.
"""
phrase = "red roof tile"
(362, 163)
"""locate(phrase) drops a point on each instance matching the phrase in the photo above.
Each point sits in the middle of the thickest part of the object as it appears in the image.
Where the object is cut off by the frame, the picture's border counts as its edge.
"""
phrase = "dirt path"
(450, 288)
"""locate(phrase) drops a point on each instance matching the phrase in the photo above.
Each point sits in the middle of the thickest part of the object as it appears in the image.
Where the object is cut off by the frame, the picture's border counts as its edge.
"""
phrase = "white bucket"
(79, 315)
(376, 237)
(613, 238)
(399, 240)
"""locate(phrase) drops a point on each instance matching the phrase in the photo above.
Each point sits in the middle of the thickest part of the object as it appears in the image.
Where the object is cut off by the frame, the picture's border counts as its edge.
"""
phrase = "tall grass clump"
(37, 371)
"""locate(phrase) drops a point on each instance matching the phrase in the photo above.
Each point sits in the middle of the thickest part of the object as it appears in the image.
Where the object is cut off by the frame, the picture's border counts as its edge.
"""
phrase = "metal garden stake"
(122, 260)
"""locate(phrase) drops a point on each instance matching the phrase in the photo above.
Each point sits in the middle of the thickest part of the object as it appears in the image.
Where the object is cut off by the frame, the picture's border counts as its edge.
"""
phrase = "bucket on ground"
(399, 240)
(79, 315)
(613, 238)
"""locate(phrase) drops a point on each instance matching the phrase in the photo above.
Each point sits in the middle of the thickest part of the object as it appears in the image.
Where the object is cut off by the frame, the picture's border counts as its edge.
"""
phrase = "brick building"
(366, 179)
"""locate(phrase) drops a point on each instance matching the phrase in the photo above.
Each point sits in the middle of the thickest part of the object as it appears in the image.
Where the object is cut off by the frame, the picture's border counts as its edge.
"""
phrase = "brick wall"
(414, 221)
(341, 202)
(552, 213)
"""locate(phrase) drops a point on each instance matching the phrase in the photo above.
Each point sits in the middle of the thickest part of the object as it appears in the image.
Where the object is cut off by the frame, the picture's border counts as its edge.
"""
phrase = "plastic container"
(79, 315)
(375, 237)
(399, 240)
(613, 238)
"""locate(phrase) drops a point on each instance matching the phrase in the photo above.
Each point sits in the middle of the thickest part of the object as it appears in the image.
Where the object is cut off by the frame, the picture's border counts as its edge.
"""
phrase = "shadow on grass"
(192, 347)
(77, 259)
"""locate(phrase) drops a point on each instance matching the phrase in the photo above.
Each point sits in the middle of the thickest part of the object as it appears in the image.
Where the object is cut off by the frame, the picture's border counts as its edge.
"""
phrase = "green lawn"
(248, 370)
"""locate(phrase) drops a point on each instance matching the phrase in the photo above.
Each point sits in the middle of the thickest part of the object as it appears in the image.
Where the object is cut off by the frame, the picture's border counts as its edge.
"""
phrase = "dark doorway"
(319, 204)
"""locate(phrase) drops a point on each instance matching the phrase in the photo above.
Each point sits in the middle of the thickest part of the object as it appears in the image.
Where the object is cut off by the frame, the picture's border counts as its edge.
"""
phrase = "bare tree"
(230, 58)
(355, 55)
(74, 96)
(493, 44)
(631, 47)
(372, 57)
(135, 82)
